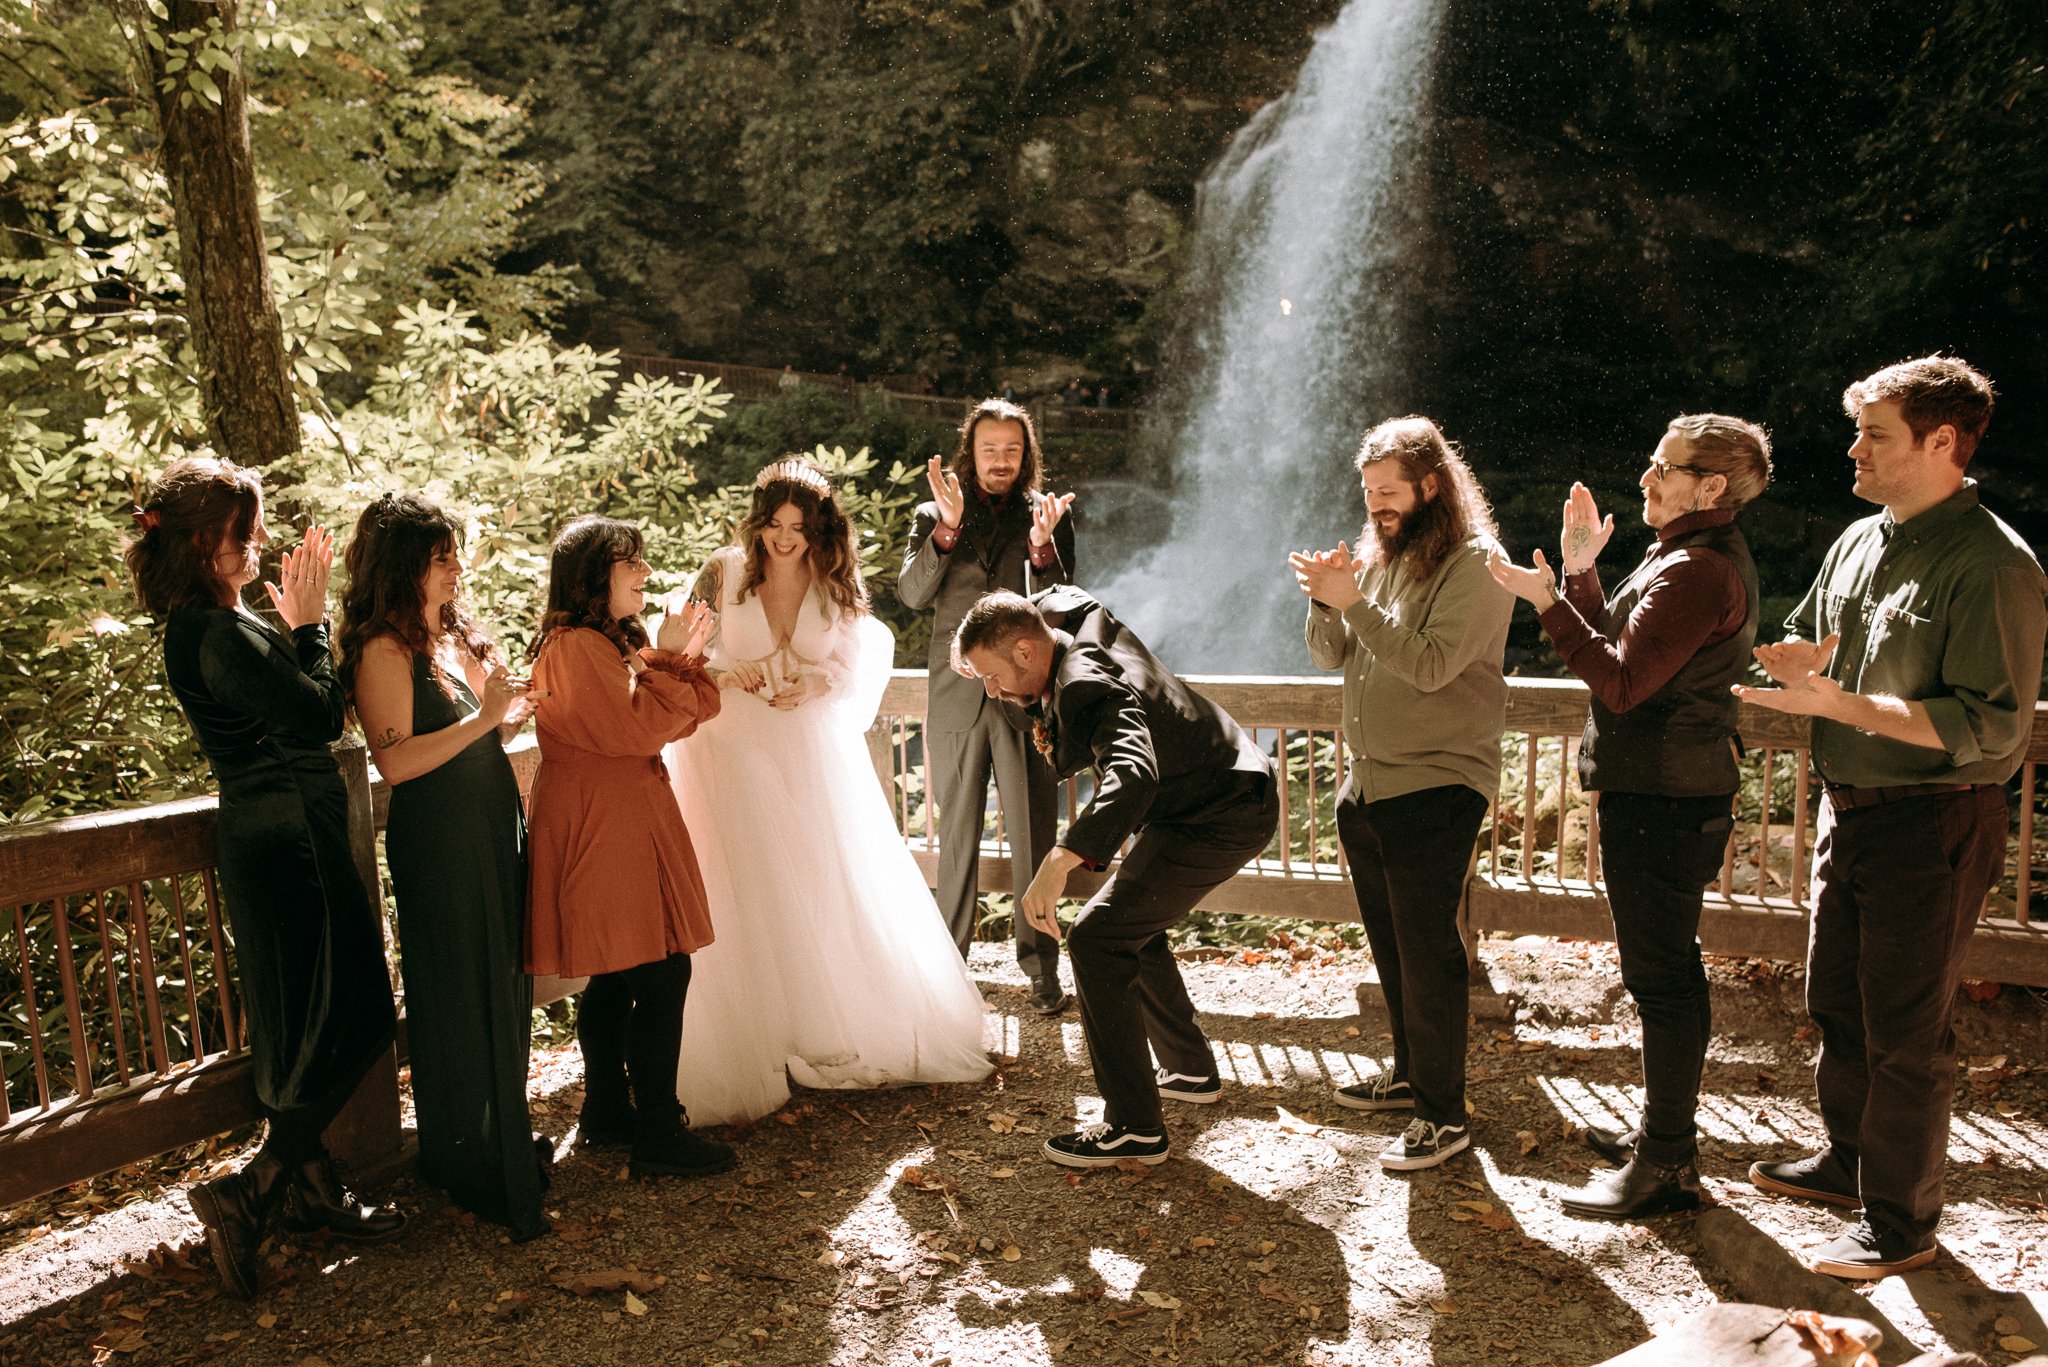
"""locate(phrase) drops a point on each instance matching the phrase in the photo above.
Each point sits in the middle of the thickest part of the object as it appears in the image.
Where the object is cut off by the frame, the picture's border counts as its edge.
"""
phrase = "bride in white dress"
(832, 965)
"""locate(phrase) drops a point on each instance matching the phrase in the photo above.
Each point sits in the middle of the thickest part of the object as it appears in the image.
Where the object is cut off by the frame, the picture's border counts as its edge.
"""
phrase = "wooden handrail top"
(44, 860)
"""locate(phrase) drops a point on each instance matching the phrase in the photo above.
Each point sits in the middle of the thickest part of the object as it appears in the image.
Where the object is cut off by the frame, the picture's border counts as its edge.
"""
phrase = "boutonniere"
(1041, 738)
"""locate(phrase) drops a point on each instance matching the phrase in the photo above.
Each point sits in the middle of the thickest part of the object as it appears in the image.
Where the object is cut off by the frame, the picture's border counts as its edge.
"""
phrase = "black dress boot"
(664, 1145)
(1638, 1191)
(607, 1118)
(234, 1209)
(316, 1199)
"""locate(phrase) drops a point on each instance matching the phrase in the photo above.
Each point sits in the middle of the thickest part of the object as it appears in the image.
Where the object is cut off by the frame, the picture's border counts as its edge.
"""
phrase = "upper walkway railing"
(1052, 417)
(123, 1036)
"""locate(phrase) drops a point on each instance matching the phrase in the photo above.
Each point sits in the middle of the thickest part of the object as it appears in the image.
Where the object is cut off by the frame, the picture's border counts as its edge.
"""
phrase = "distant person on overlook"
(1661, 750)
(1419, 628)
(988, 526)
(1917, 652)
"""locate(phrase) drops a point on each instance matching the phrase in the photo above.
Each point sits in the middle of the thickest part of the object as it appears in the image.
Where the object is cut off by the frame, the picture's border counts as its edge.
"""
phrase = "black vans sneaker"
(1380, 1092)
(1203, 1091)
(1423, 1145)
(1105, 1146)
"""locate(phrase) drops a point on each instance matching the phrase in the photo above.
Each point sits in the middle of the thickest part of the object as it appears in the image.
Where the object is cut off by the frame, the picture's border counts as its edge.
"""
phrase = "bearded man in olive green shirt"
(1418, 626)
(1917, 652)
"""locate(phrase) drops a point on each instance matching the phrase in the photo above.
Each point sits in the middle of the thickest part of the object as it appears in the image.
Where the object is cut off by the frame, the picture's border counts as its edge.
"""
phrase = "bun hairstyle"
(834, 563)
(195, 505)
(580, 583)
(1737, 450)
(394, 545)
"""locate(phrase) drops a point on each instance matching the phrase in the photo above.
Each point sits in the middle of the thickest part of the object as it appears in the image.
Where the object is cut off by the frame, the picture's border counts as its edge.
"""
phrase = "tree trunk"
(244, 380)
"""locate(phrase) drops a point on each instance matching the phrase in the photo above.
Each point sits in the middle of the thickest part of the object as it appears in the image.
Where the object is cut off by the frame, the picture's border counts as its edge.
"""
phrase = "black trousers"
(1125, 976)
(1896, 893)
(630, 1026)
(1408, 859)
(962, 762)
(1657, 855)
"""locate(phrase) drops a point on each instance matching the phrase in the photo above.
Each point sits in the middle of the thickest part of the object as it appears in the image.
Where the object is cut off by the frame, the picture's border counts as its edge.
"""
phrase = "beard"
(1409, 530)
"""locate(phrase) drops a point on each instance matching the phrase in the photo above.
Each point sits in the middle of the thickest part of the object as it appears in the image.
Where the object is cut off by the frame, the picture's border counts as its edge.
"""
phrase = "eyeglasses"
(633, 562)
(1661, 468)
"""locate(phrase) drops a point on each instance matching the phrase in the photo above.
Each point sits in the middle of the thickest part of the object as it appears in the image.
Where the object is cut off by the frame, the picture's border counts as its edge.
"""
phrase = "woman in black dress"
(434, 696)
(308, 947)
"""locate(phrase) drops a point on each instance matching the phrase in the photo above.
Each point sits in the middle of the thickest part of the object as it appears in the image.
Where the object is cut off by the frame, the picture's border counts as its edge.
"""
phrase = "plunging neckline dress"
(833, 967)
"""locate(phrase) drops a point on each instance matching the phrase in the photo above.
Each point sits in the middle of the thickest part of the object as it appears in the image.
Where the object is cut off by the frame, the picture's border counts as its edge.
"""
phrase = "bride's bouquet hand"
(798, 692)
(746, 674)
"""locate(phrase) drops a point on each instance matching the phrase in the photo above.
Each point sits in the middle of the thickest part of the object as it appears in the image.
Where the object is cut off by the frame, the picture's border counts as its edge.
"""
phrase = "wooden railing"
(1536, 868)
(762, 382)
(124, 1038)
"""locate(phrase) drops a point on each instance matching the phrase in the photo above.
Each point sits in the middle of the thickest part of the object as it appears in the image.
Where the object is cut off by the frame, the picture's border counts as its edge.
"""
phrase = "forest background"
(1626, 209)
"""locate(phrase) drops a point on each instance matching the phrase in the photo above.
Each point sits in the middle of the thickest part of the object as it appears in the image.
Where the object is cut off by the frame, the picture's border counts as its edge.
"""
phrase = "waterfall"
(1286, 348)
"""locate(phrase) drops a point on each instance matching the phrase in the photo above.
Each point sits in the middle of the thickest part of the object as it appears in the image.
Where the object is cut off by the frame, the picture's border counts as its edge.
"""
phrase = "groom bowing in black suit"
(1172, 769)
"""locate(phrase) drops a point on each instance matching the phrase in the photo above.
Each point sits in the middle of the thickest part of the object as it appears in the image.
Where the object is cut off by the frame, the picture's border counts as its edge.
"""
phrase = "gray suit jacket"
(993, 552)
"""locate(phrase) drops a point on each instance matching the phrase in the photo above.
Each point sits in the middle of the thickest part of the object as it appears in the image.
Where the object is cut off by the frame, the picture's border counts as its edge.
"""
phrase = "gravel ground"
(920, 1226)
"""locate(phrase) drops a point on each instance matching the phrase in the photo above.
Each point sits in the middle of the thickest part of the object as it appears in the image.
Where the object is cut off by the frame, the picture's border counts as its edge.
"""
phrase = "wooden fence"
(123, 1038)
(762, 382)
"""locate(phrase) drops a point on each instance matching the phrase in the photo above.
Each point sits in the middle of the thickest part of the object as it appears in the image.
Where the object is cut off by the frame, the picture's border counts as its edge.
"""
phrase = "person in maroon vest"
(1660, 654)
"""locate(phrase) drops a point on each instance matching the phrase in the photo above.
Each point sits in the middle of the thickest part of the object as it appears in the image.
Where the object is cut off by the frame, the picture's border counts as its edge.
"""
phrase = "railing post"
(881, 753)
(367, 1133)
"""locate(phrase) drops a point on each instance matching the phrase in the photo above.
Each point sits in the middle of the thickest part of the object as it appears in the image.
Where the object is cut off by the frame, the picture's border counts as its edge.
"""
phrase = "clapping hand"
(1585, 534)
(301, 598)
(1046, 515)
(1537, 586)
(503, 691)
(1796, 665)
(686, 631)
(946, 494)
(1330, 577)
(1797, 668)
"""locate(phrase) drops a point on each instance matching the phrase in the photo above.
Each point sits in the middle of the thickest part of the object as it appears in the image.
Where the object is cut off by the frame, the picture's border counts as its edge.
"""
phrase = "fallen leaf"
(807, 1195)
(2017, 1343)
(1297, 1124)
(1001, 1122)
(1478, 1207)
(1201, 1241)
(634, 1305)
(1444, 1307)
(1011, 1253)
(266, 1320)
(831, 1257)
(1158, 1301)
(1266, 1246)
(2006, 1324)
(608, 1279)
(1004, 1172)
(1527, 1140)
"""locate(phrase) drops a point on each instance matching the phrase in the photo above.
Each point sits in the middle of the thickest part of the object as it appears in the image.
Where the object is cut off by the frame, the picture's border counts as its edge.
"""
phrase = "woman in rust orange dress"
(614, 892)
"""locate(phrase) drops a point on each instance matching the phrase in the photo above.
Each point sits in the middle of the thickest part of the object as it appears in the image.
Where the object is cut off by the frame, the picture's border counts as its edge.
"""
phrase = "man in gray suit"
(988, 526)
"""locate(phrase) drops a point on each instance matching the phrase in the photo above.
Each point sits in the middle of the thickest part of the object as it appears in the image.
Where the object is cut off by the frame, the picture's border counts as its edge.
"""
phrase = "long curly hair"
(1030, 475)
(395, 542)
(1438, 525)
(194, 506)
(834, 562)
(580, 583)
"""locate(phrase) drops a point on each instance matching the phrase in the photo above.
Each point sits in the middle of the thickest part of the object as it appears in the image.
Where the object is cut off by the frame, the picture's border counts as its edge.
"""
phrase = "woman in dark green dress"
(432, 692)
(309, 949)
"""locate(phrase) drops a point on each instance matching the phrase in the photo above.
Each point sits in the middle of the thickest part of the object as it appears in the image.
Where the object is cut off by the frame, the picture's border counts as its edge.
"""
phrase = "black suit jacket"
(1161, 751)
(993, 552)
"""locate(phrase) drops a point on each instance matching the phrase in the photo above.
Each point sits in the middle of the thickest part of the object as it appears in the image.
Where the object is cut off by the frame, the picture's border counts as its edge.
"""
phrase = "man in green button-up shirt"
(1917, 652)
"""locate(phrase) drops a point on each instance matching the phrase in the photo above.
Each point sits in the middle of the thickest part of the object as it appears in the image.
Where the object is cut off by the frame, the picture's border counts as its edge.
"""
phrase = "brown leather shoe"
(1637, 1191)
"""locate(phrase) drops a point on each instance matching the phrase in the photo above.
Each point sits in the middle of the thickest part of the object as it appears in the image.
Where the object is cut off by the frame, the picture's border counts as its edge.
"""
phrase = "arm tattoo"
(390, 738)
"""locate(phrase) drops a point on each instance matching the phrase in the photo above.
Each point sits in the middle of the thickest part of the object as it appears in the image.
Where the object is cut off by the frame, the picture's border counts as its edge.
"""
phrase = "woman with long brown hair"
(265, 705)
(435, 699)
(614, 892)
(833, 965)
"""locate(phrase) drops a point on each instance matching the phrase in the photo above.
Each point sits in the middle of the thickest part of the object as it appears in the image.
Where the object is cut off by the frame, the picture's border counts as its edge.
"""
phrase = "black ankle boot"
(666, 1146)
(316, 1199)
(234, 1209)
(1638, 1191)
(607, 1118)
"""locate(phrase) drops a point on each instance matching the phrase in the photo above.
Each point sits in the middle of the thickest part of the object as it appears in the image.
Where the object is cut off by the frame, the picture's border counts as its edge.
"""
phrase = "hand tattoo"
(1576, 542)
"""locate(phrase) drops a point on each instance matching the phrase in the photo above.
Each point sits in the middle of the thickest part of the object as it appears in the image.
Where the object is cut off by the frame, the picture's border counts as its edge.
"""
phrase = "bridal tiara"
(795, 470)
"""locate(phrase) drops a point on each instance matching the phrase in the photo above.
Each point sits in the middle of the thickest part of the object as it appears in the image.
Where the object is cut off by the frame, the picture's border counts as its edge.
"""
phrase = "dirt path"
(922, 1227)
